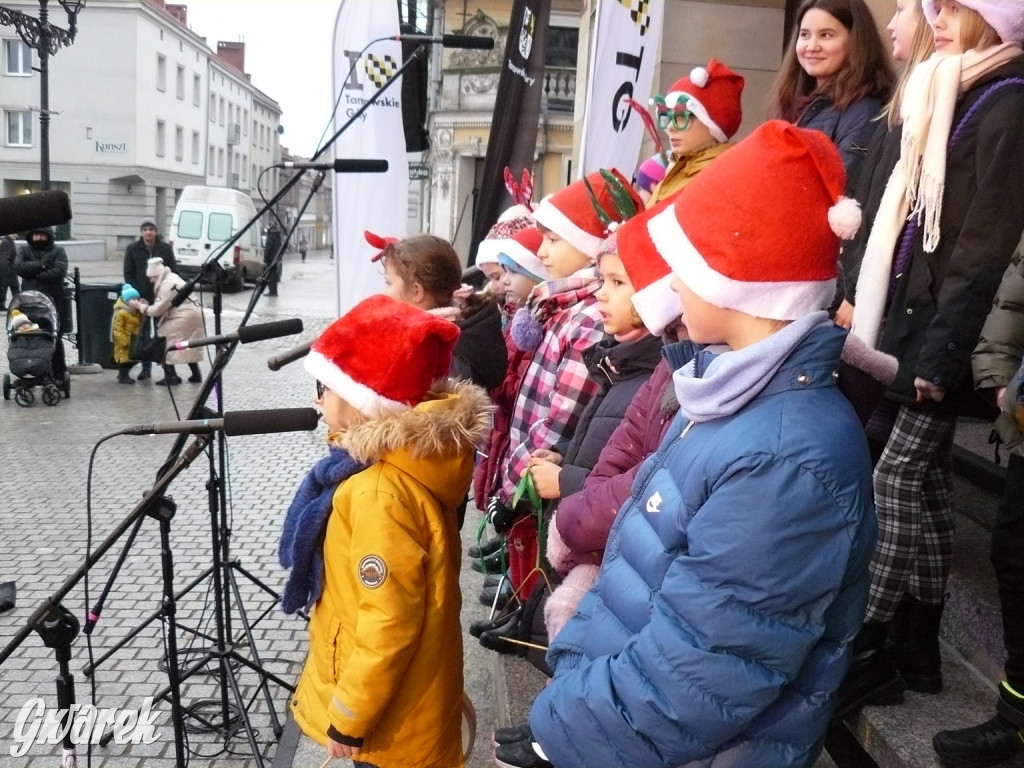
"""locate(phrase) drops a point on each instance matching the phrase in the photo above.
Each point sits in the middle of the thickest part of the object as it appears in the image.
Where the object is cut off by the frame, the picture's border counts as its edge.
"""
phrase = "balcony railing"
(560, 88)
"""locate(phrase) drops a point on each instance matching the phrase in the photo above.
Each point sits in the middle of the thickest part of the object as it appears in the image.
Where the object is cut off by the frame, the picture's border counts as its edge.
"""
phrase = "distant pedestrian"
(8, 275)
(126, 323)
(271, 263)
(136, 257)
(303, 247)
(179, 323)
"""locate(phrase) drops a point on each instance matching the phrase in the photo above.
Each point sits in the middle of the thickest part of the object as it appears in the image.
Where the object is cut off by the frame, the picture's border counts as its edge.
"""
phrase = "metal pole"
(44, 97)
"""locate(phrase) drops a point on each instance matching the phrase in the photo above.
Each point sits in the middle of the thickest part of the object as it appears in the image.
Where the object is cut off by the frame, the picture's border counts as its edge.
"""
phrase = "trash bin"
(95, 310)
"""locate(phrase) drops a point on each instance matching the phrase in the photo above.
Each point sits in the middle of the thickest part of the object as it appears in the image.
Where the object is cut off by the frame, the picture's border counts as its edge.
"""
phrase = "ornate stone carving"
(481, 25)
(479, 84)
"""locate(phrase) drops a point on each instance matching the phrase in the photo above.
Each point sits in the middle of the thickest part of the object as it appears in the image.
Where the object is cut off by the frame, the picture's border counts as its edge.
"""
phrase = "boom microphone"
(237, 423)
(279, 361)
(342, 166)
(451, 41)
(34, 211)
(247, 334)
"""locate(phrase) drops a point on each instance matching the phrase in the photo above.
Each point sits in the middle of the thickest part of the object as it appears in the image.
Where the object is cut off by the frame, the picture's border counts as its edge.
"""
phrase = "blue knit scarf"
(302, 540)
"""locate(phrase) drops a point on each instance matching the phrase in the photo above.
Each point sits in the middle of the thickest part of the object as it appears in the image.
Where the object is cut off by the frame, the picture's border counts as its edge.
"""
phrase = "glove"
(500, 516)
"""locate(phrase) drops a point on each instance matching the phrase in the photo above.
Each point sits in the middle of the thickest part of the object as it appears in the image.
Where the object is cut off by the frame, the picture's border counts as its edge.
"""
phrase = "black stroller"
(30, 350)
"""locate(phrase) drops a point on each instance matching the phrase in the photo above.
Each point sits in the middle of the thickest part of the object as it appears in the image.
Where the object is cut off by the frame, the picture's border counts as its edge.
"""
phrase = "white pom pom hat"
(713, 96)
(758, 230)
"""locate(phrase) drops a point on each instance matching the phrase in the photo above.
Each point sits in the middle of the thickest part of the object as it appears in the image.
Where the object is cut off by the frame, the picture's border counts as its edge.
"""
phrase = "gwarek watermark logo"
(36, 724)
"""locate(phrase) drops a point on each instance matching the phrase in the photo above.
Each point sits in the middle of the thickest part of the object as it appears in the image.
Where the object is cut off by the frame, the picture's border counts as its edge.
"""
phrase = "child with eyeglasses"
(700, 113)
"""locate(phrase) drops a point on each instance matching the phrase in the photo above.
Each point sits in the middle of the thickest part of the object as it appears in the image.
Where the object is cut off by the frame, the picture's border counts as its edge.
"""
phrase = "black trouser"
(1008, 560)
(4, 285)
(147, 328)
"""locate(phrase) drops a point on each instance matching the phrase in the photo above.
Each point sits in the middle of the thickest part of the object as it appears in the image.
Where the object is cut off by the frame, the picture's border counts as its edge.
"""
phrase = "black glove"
(501, 517)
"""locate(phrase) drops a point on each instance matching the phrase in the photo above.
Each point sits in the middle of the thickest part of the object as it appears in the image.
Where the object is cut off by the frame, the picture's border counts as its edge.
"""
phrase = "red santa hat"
(511, 221)
(572, 215)
(519, 253)
(758, 230)
(383, 355)
(713, 96)
(655, 301)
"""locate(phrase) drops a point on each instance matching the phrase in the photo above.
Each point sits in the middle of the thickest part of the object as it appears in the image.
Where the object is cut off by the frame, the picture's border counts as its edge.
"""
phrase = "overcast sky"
(287, 53)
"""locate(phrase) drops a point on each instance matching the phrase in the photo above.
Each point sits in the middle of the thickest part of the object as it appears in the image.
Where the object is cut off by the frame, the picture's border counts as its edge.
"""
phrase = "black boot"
(170, 377)
(989, 743)
(916, 647)
(476, 551)
(873, 677)
(123, 375)
(197, 376)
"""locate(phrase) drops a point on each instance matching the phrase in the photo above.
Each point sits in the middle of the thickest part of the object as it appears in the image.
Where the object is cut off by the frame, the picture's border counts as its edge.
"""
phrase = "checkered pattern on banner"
(639, 13)
(379, 69)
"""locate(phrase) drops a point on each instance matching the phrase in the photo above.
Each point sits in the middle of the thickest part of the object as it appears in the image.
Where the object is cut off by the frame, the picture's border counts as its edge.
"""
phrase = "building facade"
(141, 107)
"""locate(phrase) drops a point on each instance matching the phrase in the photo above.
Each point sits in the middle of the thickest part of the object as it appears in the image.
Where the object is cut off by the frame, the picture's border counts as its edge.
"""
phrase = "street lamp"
(46, 39)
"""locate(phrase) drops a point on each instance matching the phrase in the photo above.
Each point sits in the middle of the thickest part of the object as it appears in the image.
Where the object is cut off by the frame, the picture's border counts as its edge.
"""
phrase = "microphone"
(247, 334)
(34, 211)
(342, 166)
(279, 361)
(450, 41)
(237, 423)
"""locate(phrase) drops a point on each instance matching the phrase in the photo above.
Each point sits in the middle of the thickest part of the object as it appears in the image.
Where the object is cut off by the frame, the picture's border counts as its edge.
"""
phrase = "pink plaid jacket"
(556, 387)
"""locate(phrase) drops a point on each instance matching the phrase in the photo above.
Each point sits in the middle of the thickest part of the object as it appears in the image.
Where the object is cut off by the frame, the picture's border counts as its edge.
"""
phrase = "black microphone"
(34, 211)
(451, 41)
(247, 334)
(342, 166)
(237, 423)
(279, 361)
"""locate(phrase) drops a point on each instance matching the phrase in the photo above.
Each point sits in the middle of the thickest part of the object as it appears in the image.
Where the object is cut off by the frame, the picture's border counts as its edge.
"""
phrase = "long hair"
(975, 32)
(921, 48)
(429, 261)
(866, 71)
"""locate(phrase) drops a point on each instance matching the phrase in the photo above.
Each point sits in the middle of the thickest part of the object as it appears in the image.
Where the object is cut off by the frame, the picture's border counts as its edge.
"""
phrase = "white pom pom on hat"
(845, 217)
(699, 77)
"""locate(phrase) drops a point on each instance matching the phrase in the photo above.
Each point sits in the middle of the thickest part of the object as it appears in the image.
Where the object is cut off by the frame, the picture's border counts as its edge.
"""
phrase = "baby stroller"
(31, 348)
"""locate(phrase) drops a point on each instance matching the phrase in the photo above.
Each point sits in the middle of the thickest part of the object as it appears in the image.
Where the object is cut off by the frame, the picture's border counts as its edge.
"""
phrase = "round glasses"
(320, 389)
(677, 116)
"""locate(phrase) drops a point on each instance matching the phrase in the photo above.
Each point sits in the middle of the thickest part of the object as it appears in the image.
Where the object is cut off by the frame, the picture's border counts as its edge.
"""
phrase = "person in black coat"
(271, 248)
(136, 258)
(480, 355)
(42, 266)
(8, 275)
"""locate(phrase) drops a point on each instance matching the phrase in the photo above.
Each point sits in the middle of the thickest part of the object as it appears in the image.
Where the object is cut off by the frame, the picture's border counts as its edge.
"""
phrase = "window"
(220, 226)
(19, 129)
(213, 108)
(245, 122)
(18, 57)
(220, 162)
(197, 90)
(195, 147)
(179, 143)
(179, 84)
(161, 72)
(212, 161)
(244, 164)
(190, 225)
(161, 138)
(221, 110)
(231, 113)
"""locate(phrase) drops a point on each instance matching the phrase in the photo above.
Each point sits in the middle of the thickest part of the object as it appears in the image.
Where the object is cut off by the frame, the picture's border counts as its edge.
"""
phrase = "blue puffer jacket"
(734, 582)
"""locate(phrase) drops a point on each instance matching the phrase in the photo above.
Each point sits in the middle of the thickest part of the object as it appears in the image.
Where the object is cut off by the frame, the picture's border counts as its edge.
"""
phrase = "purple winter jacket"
(585, 518)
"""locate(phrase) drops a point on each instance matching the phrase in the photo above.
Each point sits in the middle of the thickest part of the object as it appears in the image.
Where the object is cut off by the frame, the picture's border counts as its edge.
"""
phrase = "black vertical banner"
(513, 138)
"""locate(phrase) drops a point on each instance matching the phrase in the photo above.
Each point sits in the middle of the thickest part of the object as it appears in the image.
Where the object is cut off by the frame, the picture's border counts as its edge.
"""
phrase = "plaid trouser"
(913, 485)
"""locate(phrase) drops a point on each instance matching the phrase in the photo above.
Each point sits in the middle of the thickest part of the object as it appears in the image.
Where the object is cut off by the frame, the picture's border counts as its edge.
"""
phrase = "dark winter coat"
(998, 355)
(942, 298)
(43, 270)
(271, 246)
(620, 370)
(586, 517)
(136, 259)
(734, 583)
(849, 129)
(8, 254)
(479, 354)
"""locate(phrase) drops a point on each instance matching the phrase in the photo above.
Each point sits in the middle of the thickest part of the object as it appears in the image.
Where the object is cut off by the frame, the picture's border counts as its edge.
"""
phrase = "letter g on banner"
(33, 708)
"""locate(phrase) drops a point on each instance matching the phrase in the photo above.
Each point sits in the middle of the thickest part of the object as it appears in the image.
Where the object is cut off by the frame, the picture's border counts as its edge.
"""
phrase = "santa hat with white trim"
(655, 301)
(713, 96)
(489, 248)
(730, 234)
(383, 355)
(571, 212)
(518, 253)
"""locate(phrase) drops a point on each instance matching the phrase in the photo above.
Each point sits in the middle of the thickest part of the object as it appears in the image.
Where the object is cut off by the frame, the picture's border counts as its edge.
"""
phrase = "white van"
(206, 218)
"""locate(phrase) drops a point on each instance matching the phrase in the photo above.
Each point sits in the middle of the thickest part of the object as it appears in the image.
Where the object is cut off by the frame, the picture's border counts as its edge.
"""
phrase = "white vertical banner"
(623, 46)
(377, 202)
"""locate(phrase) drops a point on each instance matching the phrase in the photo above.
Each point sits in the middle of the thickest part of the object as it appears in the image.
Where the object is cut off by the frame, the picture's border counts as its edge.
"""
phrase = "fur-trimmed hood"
(430, 441)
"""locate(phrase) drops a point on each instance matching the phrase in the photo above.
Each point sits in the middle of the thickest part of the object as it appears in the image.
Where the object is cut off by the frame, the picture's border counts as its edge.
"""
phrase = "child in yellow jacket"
(125, 324)
(383, 681)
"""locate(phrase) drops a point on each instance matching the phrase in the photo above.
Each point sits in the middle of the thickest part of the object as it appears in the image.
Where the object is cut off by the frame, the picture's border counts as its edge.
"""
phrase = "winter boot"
(873, 677)
(123, 376)
(916, 646)
(170, 377)
(197, 376)
(989, 743)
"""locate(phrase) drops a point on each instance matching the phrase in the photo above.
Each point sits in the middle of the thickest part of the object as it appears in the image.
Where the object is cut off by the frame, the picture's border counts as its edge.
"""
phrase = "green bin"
(95, 309)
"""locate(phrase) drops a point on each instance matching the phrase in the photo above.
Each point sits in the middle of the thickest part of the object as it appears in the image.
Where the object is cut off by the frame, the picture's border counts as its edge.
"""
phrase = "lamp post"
(46, 39)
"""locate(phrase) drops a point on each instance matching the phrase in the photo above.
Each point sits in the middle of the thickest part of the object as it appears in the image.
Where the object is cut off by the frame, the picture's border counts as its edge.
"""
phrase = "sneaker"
(145, 375)
(519, 754)
(990, 743)
(512, 734)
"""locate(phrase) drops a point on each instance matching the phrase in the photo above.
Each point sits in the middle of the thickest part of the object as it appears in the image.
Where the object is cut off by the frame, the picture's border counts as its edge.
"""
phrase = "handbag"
(149, 350)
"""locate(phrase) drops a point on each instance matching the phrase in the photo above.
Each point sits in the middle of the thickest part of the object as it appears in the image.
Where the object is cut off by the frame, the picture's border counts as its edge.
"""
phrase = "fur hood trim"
(457, 415)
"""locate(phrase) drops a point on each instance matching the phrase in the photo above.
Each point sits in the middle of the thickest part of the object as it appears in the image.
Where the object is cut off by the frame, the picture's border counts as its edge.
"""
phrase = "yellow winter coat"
(681, 172)
(385, 658)
(124, 324)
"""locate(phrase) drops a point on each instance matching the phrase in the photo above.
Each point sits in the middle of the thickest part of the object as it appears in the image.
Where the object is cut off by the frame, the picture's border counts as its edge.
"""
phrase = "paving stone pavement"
(52, 506)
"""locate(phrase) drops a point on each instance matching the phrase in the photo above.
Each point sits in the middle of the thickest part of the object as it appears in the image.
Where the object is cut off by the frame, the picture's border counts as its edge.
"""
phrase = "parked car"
(204, 220)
